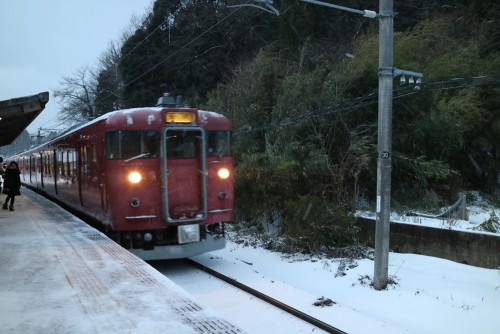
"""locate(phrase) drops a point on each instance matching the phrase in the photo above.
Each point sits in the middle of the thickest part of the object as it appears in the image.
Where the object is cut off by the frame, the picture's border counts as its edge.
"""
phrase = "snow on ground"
(424, 295)
(428, 295)
(478, 213)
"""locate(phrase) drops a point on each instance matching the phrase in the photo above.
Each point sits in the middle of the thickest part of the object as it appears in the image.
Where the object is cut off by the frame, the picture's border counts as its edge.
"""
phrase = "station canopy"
(17, 113)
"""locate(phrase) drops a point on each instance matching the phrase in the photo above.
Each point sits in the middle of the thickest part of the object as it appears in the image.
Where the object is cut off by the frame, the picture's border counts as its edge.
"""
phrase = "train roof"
(124, 117)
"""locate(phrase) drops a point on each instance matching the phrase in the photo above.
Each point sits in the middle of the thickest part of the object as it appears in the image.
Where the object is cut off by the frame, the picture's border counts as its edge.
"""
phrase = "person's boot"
(4, 206)
(11, 208)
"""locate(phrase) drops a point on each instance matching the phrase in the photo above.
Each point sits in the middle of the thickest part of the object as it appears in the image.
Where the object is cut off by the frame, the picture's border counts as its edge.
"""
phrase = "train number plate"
(188, 233)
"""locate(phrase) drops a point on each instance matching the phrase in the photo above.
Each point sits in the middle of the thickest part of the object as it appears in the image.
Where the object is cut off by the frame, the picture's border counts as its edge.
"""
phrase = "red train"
(159, 180)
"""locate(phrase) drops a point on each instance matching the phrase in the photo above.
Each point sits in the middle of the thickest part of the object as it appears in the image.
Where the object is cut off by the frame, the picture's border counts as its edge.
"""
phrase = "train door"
(81, 170)
(90, 187)
(32, 164)
(41, 166)
(55, 168)
(184, 166)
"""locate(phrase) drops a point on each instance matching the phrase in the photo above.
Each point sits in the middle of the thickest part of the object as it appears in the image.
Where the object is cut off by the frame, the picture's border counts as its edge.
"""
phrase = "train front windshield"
(130, 144)
(183, 144)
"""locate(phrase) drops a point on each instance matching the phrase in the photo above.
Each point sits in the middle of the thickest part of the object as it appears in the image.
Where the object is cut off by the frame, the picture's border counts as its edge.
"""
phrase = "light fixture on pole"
(413, 77)
(366, 13)
(402, 81)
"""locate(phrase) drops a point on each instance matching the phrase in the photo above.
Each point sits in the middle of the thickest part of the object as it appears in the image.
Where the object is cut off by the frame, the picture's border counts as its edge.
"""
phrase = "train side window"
(47, 164)
(83, 161)
(60, 164)
(52, 169)
(218, 143)
(72, 161)
(68, 164)
(92, 160)
(94, 153)
(64, 163)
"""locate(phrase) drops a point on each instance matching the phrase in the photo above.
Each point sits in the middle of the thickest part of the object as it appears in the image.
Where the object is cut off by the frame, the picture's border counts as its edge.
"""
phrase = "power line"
(181, 48)
(169, 56)
(172, 54)
(138, 44)
(372, 99)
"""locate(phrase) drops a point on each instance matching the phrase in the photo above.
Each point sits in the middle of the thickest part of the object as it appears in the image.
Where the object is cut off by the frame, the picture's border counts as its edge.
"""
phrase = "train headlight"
(223, 173)
(134, 177)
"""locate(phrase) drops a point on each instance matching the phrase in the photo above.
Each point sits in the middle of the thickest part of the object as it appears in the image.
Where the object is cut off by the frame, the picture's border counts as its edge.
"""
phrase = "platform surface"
(59, 275)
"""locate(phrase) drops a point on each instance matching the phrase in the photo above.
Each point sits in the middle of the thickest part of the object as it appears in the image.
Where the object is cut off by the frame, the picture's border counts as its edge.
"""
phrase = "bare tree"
(76, 96)
(109, 82)
(88, 93)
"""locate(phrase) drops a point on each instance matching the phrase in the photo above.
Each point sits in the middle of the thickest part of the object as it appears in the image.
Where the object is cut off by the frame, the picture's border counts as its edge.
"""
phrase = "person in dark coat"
(11, 184)
(1, 172)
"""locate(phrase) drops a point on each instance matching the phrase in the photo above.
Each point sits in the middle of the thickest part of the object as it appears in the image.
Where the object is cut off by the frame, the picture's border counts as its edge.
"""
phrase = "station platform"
(59, 275)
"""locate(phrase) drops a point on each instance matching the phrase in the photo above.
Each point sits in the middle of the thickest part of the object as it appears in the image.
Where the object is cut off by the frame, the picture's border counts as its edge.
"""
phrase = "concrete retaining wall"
(481, 250)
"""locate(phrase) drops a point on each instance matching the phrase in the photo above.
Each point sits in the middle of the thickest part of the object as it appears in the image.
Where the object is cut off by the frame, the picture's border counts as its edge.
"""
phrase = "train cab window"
(218, 143)
(130, 144)
(182, 144)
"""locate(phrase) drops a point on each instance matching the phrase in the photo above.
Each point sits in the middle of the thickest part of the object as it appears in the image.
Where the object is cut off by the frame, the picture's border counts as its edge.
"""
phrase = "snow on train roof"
(203, 116)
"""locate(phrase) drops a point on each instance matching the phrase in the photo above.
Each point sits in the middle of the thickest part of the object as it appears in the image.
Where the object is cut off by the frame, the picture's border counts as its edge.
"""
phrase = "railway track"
(266, 298)
(293, 311)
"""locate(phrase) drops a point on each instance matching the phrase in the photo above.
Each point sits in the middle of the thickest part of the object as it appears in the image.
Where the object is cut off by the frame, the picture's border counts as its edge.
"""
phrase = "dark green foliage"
(262, 184)
(305, 115)
(317, 223)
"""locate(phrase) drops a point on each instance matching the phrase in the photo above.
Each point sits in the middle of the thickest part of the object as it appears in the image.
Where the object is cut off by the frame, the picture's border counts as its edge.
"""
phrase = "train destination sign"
(180, 117)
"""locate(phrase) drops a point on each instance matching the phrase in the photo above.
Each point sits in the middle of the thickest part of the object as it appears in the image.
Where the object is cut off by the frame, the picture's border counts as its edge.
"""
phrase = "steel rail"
(299, 314)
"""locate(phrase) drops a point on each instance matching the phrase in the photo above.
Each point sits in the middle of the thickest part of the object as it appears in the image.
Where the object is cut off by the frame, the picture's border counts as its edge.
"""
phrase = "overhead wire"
(140, 43)
(172, 54)
(169, 56)
(372, 99)
(181, 48)
(347, 106)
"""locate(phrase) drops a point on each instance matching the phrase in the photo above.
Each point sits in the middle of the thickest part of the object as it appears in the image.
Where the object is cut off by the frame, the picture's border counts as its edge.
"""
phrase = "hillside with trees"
(301, 89)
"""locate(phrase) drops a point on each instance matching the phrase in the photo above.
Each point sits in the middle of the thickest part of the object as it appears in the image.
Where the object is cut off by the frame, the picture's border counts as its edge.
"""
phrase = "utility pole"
(38, 137)
(386, 73)
(384, 160)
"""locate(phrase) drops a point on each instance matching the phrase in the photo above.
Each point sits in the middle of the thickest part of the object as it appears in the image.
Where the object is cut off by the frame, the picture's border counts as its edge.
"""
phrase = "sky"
(76, 281)
(43, 41)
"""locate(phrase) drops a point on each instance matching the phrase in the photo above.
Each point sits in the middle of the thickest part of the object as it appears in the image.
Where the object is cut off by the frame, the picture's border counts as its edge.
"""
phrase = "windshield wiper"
(142, 155)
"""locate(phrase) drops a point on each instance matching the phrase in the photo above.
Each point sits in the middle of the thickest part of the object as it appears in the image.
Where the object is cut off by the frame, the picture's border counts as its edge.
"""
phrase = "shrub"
(316, 223)
(492, 224)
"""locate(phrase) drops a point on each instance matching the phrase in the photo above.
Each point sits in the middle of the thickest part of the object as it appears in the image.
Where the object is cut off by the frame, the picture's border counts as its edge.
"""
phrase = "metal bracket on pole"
(386, 71)
(397, 72)
(366, 13)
